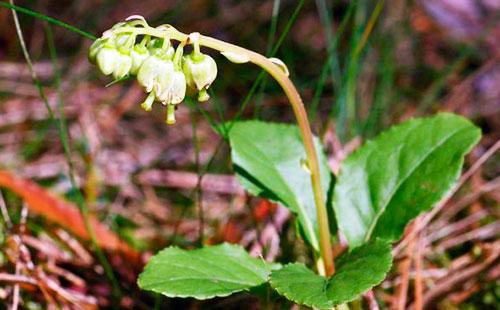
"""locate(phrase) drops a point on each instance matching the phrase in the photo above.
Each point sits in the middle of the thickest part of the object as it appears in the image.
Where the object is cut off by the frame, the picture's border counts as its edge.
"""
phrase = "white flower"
(176, 90)
(155, 74)
(107, 59)
(123, 64)
(200, 71)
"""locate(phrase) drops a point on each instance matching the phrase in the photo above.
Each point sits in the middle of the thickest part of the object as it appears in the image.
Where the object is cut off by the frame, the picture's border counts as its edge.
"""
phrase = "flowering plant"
(380, 188)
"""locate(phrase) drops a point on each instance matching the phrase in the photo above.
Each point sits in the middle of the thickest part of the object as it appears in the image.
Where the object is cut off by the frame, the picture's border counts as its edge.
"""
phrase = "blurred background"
(360, 66)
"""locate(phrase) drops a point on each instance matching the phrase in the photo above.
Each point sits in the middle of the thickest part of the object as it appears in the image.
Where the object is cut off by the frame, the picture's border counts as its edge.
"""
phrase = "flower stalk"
(200, 73)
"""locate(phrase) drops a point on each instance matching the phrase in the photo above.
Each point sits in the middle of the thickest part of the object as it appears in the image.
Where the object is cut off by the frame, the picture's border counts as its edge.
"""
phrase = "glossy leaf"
(203, 273)
(269, 161)
(357, 272)
(400, 174)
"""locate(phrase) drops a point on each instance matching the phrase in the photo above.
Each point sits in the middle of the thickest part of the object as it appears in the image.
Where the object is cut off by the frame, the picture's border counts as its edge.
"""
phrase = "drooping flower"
(162, 70)
(106, 59)
(123, 65)
(176, 90)
(156, 72)
(200, 71)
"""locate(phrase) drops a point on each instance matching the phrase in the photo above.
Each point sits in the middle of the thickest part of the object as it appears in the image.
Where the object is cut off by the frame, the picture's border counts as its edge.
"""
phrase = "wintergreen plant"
(381, 187)
(132, 48)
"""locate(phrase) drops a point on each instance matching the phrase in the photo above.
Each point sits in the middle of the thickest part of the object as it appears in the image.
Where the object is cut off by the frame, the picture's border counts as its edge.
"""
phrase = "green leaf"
(203, 273)
(301, 285)
(268, 160)
(357, 272)
(400, 174)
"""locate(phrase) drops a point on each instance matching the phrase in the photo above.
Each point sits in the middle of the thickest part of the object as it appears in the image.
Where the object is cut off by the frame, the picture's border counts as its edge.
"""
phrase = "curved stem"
(307, 137)
(300, 115)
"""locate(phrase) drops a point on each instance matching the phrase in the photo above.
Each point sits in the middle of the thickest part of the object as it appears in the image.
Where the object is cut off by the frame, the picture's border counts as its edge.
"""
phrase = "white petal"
(134, 17)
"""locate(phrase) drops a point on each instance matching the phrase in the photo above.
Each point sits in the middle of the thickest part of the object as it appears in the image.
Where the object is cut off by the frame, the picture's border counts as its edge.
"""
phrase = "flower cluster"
(133, 48)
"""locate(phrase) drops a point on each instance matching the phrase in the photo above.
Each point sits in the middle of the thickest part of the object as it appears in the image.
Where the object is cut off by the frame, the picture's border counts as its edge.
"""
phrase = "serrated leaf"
(203, 273)
(269, 159)
(301, 285)
(403, 172)
(357, 272)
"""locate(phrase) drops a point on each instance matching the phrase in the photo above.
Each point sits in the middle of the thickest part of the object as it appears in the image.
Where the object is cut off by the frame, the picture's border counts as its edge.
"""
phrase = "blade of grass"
(273, 27)
(383, 91)
(270, 41)
(329, 64)
(64, 138)
(369, 27)
(346, 111)
(262, 74)
(328, 26)
(48, 19)
(346, 102)
(226, 126)
(219, 109)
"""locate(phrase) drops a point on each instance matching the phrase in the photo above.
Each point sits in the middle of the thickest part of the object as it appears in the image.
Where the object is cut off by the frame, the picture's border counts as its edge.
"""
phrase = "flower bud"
(138, 54)
(200, 70)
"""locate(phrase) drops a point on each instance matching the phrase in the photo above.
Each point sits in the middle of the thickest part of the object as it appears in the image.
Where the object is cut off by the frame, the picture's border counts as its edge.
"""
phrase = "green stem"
(300, 115)
(48, 19)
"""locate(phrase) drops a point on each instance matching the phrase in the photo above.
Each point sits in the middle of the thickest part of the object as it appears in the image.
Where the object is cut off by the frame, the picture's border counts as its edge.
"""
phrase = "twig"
(445, 217)
(456, 227)
(17, 279)
(5, 213)
(201, 176)
(425, 274)
(216, 183)
(404, 269)
(17, 71)
(485, 232)
(73, 297)
(460, 277)
(419, 289)
(22, 255)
